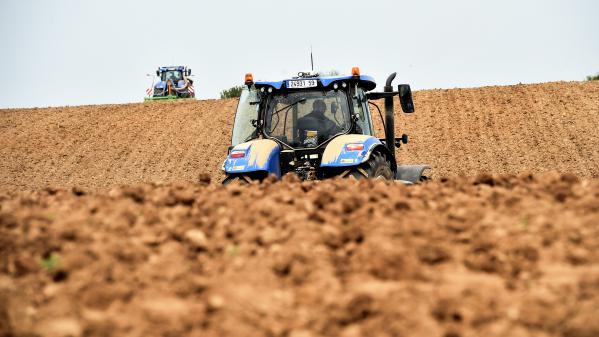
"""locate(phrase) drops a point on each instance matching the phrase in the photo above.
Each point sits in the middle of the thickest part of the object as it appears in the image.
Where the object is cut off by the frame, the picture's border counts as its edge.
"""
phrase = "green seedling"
(50, 216)
(51, 262)
(232, 250)
(524, 222)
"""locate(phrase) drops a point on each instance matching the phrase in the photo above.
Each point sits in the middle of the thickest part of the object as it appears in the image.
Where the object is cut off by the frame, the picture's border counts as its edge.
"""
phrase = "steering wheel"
(323, 127)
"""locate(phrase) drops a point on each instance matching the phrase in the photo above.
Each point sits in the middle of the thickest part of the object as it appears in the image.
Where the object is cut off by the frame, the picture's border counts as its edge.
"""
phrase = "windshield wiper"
(290, 105)
(283, 109)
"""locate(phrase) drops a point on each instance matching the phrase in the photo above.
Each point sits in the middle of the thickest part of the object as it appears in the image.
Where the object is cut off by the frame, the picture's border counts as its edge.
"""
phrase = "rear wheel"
(377, 167)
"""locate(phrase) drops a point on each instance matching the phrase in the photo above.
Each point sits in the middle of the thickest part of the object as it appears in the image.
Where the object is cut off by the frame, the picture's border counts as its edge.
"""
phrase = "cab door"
(364, 120)
(247, 112)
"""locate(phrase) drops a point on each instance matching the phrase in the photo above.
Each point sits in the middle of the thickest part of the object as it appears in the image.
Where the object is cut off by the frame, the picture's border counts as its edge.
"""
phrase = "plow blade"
(411, 174)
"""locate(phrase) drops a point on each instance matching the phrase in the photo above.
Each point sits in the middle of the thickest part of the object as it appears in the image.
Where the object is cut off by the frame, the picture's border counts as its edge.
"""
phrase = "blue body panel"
(337, 155)
(276, 85)
(260, 155)
(326, 81)
(366, 81)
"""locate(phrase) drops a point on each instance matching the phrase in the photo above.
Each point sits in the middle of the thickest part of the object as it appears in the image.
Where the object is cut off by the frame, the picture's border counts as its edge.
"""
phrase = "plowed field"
(504, 256)
(523, 128)
(113, 223)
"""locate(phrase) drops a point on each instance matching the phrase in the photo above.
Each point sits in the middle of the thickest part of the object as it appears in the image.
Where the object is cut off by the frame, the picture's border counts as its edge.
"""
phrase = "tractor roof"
(180, 68)
(364, 81)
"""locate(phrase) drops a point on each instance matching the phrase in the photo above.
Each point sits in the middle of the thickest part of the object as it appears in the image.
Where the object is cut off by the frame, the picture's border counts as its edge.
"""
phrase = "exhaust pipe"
(389, 118)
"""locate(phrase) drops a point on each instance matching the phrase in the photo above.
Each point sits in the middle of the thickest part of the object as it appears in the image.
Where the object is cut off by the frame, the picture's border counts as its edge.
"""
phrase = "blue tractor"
(173, 83)
(317, 127)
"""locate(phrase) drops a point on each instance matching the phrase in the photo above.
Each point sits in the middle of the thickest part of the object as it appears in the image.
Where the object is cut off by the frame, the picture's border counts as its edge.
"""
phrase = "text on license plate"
(295, 84)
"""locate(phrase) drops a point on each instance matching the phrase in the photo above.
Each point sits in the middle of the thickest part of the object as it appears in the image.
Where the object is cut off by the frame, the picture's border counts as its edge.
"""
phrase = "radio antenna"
(311, 59)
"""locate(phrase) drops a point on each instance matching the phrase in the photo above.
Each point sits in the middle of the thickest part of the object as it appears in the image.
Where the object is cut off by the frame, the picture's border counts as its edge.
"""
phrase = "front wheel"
(377, 167)
(235, 180)
(244, 178)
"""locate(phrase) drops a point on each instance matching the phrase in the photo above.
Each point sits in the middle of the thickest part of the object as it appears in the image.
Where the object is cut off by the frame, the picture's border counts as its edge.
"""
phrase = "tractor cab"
(314, 126)
(173, 83)
(306, 112)
(171, 75)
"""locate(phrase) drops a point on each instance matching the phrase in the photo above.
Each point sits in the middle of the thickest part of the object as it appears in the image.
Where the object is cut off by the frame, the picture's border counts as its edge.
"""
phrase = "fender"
(337, 155)
(257, 155)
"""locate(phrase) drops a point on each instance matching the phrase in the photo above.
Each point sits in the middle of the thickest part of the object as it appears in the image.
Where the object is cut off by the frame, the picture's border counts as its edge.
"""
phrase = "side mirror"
(188, 71)
(401, 140)
(158, 73)
(405, 98)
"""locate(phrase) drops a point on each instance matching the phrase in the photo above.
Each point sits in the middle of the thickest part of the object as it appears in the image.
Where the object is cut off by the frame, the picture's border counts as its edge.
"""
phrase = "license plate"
(300, 84)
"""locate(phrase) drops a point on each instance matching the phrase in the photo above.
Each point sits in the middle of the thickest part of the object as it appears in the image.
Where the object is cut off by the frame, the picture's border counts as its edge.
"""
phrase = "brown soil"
(484, 256)
(503, 130)
(109, 225)
(101, 146)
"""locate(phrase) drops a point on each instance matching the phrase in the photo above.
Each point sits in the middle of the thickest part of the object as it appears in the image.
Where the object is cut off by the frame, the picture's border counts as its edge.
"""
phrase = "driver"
(316, 121)
(172, 76)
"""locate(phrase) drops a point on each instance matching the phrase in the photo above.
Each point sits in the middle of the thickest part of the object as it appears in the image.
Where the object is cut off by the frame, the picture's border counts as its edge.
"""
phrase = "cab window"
(247, 112)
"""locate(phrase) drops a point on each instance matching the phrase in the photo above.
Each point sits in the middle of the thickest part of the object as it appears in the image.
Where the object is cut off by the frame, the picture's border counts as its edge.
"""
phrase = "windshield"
(307, 118)
(243, 130)
(173, 75)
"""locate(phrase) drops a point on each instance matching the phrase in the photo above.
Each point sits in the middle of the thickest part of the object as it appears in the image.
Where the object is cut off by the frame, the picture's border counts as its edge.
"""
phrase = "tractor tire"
(243, 178)
(377, 167)
(231, 180)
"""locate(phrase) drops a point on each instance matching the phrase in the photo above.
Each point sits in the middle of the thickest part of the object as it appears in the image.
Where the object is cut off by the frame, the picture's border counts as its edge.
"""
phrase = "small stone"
(197, 238)
(30, 311)
(215, 302)
(78, 191)
(301, 333)
(204, 178)
(60, 327)
(352, 331)
(268, 236)
(165, 309)
(51, 290)
(185, 197)
(577, 256)
(513, 313)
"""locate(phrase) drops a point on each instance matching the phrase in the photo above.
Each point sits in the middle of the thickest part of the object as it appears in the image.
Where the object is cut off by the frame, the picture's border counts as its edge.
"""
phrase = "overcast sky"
(72, 52)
